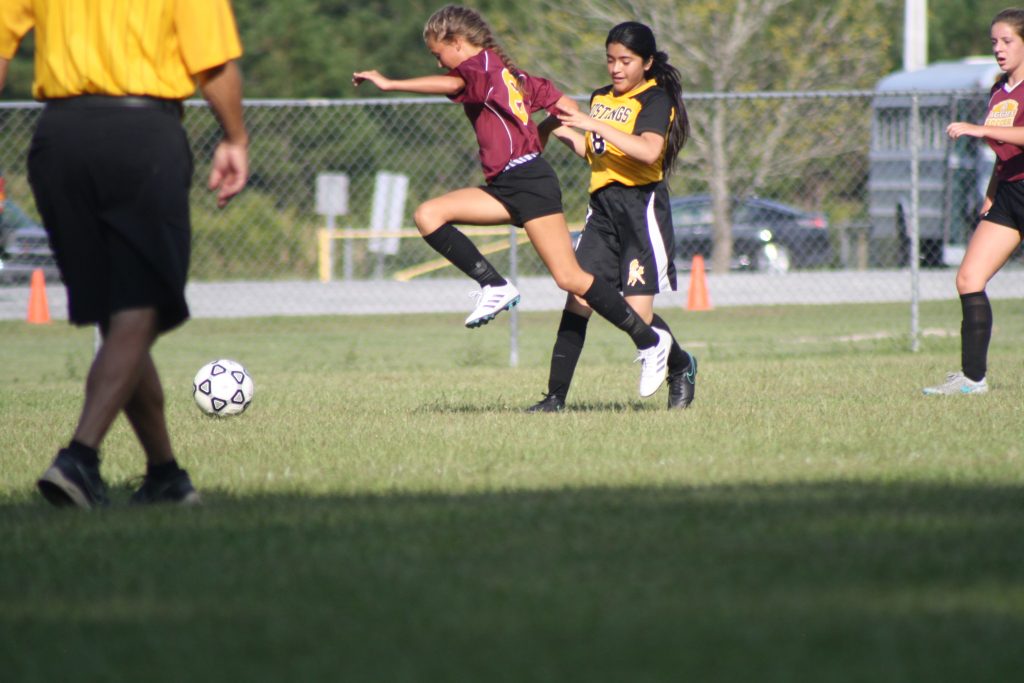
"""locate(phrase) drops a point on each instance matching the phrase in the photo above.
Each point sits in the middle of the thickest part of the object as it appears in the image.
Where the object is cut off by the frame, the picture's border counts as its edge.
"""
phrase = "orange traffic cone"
(38, 308)
(697, 298)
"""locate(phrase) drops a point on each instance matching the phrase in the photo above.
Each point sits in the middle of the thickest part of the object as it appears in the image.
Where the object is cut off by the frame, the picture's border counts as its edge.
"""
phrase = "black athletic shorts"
(628, 239)
(112, 186)
(1008, 206)
(528, 191)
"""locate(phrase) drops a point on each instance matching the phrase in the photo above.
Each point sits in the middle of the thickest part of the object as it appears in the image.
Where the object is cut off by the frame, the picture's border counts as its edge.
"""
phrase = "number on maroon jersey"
(515, 96)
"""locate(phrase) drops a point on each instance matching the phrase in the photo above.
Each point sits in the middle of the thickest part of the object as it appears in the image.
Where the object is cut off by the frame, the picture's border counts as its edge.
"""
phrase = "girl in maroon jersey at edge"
(1002, 219)
(522, 188)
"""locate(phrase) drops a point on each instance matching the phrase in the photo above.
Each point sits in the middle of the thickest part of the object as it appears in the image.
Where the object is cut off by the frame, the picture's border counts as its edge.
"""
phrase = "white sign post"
(388, 208)
(331, 202)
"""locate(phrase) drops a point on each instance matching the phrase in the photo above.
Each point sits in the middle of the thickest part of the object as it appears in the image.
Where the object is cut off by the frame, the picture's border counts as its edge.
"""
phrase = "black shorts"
(1008, 206)
(528, 191)
(628, 240)
(112, 186)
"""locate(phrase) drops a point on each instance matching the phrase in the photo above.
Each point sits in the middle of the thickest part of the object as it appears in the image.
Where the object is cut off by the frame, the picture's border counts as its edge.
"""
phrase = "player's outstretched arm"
(567, 104)
(551, 126)
(222, 88)
(645, 148)
(1013, 135)
(425, 85)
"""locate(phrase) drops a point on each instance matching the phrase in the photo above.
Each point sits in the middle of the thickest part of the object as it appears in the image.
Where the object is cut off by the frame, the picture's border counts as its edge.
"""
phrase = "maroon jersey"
(499, 107)
(1006, 109)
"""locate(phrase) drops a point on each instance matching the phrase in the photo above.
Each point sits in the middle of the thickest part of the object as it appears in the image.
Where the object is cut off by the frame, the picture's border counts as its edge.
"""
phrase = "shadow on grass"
(820, 582)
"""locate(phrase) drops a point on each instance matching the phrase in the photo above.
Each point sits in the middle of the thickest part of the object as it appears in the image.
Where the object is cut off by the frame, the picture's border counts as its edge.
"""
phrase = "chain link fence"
(811, 198)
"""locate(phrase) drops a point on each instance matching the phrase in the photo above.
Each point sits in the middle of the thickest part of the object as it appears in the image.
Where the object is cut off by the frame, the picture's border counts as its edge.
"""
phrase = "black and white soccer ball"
(223, 387)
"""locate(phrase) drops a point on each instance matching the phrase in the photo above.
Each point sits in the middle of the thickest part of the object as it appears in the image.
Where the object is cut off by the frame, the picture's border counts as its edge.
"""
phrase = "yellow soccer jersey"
(645, 108)
(120, 47)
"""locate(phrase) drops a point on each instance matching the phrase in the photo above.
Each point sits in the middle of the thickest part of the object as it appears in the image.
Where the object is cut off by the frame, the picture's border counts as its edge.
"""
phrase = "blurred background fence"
(809, 198)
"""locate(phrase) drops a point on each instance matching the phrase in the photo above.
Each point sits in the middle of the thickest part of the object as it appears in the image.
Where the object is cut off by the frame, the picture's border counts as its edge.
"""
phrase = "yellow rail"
(326, 236)
(438, 264)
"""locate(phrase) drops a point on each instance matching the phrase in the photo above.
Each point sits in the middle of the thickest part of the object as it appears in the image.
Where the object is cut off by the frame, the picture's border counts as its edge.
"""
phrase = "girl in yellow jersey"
(631, 137)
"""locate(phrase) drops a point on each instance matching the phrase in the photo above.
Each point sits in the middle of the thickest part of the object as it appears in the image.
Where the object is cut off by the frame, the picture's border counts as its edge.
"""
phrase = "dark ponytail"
(639, 39)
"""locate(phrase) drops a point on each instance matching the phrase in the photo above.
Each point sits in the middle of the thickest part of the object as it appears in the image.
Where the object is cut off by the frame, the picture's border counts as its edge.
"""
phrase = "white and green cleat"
(490, 301)
(957, 383)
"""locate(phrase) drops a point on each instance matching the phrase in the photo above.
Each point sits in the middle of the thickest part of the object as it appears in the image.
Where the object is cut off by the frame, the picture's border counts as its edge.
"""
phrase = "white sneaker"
(654, 364)
(490, 302)
(957, 383)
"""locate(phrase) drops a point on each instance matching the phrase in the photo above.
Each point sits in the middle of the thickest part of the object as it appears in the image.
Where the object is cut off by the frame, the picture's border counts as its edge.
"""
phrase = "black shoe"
(176, 488)
(549, 404)
(70, 482)
(681, 386)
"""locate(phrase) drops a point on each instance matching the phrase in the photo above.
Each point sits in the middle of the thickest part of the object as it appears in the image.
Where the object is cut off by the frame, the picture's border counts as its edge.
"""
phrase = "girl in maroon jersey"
(521, 189)
(1002, 214)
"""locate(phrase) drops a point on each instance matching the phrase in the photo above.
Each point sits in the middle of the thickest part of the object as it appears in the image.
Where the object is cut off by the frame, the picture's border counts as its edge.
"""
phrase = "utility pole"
(915, 35)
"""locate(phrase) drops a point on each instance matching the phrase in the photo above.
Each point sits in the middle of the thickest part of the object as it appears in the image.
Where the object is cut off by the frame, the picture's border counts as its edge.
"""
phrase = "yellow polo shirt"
(120, 47)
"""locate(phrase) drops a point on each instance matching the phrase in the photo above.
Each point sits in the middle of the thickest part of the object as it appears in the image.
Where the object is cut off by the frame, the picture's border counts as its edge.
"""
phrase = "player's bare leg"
(990, 247)
(468, 205)
(145, 413)
(987, 252)
(115, 372)
(435, 219)
(165, 481)
(74, 476)
(550, 237)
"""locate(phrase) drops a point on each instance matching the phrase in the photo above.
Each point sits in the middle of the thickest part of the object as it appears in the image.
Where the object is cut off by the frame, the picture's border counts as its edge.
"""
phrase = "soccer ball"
(222, 387)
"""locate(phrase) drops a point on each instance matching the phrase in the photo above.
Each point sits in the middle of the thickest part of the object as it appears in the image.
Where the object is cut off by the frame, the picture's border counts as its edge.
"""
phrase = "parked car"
(25, 246)
(767, 235)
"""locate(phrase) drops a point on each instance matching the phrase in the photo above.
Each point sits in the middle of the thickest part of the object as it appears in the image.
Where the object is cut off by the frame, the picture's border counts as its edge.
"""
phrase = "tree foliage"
(960, 28)
(309, 48)
(735, 46)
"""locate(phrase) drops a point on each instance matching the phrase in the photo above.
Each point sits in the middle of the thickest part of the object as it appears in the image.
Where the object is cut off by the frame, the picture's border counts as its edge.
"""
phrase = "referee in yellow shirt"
(110, 168)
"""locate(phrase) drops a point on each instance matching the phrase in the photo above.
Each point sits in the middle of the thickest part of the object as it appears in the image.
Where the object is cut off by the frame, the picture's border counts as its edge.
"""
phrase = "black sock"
(975, 333)
(163, 470)
(572, 332)
(460, 250)
(87, 455)
(610, 305)
(678, 360)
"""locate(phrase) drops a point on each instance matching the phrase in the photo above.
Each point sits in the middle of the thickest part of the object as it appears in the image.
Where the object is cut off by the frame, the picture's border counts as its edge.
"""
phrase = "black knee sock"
(85, 454)
(164, 470)
(610, 305)
(678, 360)
(460, 250)
(572, 333)
(975, 333)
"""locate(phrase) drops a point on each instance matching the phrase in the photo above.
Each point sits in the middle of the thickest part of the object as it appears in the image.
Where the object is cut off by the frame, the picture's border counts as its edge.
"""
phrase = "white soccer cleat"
(654, 364)
(491, 301)
(958, 383)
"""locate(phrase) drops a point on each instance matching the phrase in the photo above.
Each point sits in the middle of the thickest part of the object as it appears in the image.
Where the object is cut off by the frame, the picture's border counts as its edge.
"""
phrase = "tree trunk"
(718, 186)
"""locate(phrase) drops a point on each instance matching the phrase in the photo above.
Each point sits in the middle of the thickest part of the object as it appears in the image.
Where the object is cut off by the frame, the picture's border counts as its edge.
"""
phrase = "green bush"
(251, 238)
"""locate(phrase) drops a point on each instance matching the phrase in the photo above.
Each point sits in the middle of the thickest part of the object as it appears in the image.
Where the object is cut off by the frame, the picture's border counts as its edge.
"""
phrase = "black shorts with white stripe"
(628, 240)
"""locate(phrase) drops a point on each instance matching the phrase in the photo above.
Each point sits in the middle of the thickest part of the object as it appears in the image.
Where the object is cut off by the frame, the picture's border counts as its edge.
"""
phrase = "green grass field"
(385, 511)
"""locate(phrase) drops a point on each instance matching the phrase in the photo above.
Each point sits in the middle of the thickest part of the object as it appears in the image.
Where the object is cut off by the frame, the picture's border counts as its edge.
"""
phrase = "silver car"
(25, 247)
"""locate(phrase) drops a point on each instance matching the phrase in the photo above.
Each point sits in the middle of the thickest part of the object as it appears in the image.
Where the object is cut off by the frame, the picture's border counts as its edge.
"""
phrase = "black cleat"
(549, 404)
(681, 386)
(68, 482)
(176, 489)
